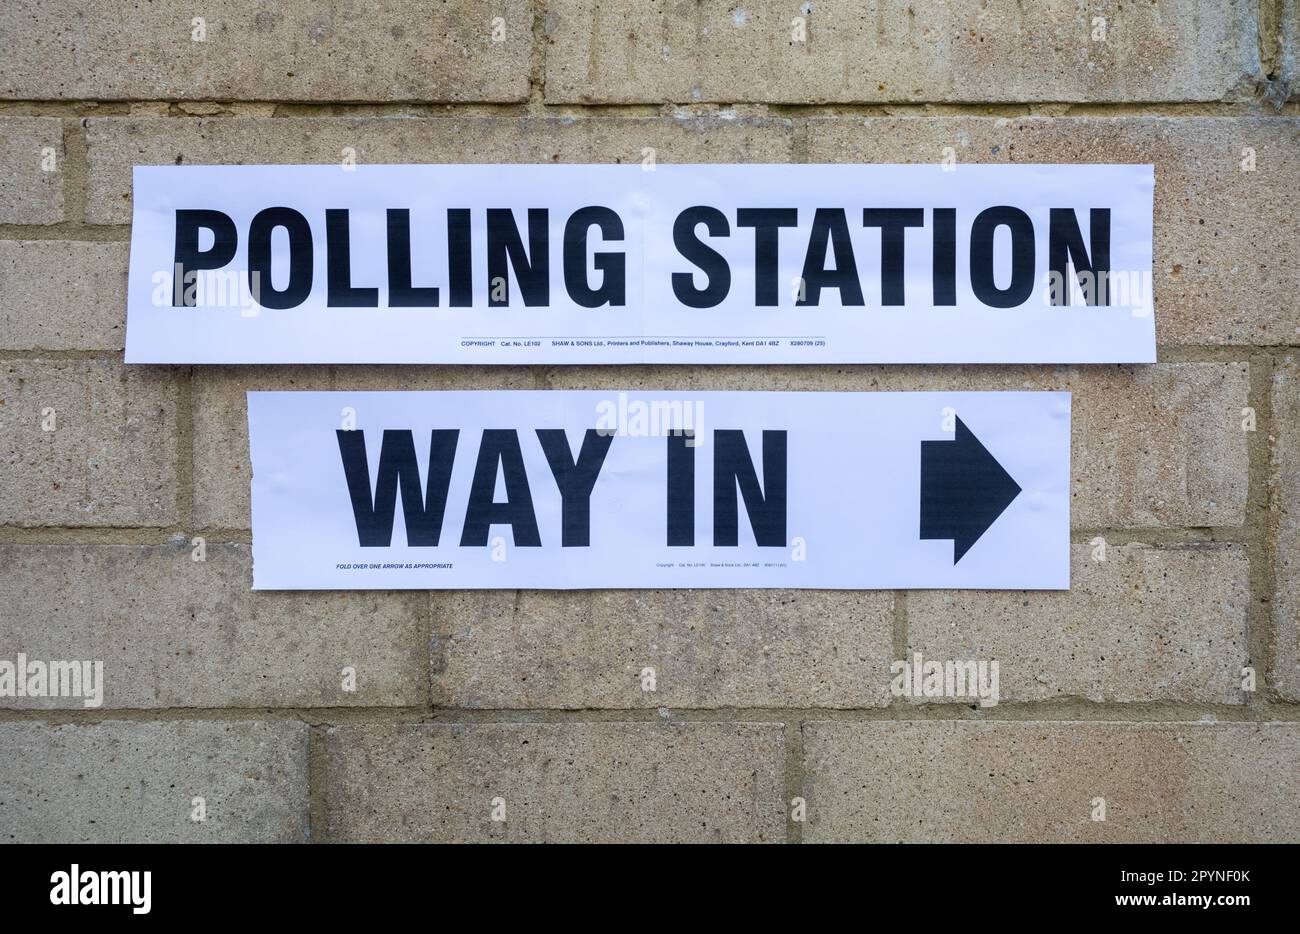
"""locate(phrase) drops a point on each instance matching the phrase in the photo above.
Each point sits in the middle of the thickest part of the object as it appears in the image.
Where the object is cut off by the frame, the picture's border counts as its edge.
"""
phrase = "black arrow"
(963, 490)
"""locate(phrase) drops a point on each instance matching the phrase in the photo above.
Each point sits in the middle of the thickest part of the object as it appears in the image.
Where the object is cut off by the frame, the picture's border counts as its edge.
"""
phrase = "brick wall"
(1128, 686)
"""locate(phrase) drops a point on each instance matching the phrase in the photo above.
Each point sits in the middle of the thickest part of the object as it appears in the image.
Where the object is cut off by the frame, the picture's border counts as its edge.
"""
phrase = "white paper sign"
(590, 489)
(589, 264)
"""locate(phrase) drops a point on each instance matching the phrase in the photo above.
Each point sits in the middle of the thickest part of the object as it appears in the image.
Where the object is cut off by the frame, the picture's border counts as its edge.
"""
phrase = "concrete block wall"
(230, 705)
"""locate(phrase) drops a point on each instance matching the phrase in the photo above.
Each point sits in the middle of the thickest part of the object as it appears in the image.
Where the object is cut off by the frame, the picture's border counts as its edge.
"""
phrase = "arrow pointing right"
(963, 490)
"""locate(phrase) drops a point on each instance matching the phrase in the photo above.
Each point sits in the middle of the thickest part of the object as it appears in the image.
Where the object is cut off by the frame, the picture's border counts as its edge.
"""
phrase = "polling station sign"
(594, 489)
(591, 264)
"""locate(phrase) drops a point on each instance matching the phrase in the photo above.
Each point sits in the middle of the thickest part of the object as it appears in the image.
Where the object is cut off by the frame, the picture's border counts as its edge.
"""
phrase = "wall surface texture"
(530, 705)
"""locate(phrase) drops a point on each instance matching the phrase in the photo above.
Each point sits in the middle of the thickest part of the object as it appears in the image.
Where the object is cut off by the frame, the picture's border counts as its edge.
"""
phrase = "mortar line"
(800, 142)
(154, 535)
(185, 493)
(536, 104)
(433, 642)
(74, 230)
(317, 765)
(794, 777)
(1269, 23)
(1262, 520)
(900, 630)
(1069, 710)
(1171, 537)
(75, 168)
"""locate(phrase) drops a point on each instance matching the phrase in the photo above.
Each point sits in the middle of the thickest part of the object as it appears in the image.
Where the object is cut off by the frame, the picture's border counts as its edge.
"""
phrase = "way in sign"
(529, 489)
